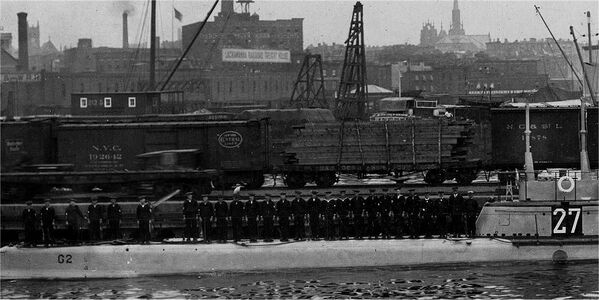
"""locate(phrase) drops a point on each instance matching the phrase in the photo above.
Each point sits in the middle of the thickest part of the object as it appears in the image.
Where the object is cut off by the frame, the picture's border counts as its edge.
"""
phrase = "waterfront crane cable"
(209, 52)
(180, 60)
(559, 47)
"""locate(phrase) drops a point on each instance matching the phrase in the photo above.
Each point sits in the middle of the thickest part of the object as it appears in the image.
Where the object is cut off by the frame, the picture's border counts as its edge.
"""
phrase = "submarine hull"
(109, 261)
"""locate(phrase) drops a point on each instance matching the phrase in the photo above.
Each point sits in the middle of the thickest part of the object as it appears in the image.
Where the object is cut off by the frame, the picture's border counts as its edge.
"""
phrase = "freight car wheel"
(326, 179)
(434, 177)
(465, 177)
(295, 180)
(255, 180)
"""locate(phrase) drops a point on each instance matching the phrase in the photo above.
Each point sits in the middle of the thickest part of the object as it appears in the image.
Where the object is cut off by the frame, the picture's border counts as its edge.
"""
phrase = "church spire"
(456, 27)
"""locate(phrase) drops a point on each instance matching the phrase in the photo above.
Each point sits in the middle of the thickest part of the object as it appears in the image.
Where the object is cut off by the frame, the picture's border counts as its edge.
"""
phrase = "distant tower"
(456, 27)
(428, 35)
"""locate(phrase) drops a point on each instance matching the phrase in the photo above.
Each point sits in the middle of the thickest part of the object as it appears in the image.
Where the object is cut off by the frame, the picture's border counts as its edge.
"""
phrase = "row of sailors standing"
(383, 214)
(74, 221)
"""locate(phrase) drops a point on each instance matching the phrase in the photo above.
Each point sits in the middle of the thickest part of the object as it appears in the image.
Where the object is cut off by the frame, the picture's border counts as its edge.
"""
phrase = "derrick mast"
(352, 96)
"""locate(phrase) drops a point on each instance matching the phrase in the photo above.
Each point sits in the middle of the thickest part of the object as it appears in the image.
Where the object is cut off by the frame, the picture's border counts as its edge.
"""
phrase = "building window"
(415, 77)
(83, 102)
(324, 72)
(334, 72)
(132, 102)
(107, 102)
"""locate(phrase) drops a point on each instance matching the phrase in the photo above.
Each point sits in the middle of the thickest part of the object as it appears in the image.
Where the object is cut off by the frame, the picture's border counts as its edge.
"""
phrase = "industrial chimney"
(23, 43)
(227, 6)
(125, 31)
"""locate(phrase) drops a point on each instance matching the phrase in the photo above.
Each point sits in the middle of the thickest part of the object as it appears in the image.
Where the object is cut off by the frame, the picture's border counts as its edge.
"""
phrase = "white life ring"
(561, 180)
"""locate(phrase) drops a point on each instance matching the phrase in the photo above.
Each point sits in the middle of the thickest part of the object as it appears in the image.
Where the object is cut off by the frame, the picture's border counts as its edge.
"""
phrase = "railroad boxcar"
(27, 143)
(237, 149)
(554, 137)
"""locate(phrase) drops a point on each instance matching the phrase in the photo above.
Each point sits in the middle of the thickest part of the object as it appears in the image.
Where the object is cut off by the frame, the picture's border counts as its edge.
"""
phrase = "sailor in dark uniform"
(190, 213)
(313, 205)
(426, 215)
(413, 209)
(236, 214)
(94, 217)
(385, 211)
(330, 213)
(221, 210)
(252, 212)
(298, 206)
(343, 207)
(443, 215)
(398, 208)
(206, 212)
(358, 212)
(283, 213)
(113, 215)
(456, 203)
(47, 215)
(471, 212)
(371, 204)
(268, 213)
(144, 219)
(29, 221)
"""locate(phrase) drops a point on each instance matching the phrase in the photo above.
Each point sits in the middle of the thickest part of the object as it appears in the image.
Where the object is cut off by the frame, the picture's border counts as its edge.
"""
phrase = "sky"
(325, 21)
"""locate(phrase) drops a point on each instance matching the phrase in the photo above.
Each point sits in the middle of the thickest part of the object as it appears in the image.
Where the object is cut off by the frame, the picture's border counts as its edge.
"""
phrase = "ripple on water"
(457, 281)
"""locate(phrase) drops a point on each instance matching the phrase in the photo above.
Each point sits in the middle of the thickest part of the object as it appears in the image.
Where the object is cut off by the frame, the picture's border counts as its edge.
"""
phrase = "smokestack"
(23, 43)
(125, 31)
(227, 6)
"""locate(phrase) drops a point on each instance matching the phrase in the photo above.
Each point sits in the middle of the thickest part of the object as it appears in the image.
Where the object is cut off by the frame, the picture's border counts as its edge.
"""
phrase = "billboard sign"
(256, 56)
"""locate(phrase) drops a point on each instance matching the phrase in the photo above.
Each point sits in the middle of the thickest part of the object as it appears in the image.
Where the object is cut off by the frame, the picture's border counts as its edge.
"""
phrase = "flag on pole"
(178, 15)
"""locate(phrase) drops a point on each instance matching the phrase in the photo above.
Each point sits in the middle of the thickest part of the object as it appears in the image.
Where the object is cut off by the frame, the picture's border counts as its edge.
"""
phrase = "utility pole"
(151, 86)
(589, 35)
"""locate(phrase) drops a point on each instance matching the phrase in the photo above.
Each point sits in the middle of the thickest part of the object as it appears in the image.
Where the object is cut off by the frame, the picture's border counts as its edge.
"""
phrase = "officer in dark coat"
(113, 215)
(313, 205)
(47, 215)
(456, 203)
(190, 212)
(358, 213)
(144, 219)
(74, 218)
(236, 214)
(298, 207)
(426, 215)
(206, 212)
(413, 209)
(268, 213)
(94, 216)
(283, 213)
(252, 213)
(222, 212)
(471, 212)
(385, 211)
(29, 221)
(343, 207)
(372, 205)
(398, 206)
(330, 213)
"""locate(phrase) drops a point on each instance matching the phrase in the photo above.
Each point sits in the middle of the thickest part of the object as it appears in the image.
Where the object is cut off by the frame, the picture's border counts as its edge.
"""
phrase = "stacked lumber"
(406, 142)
